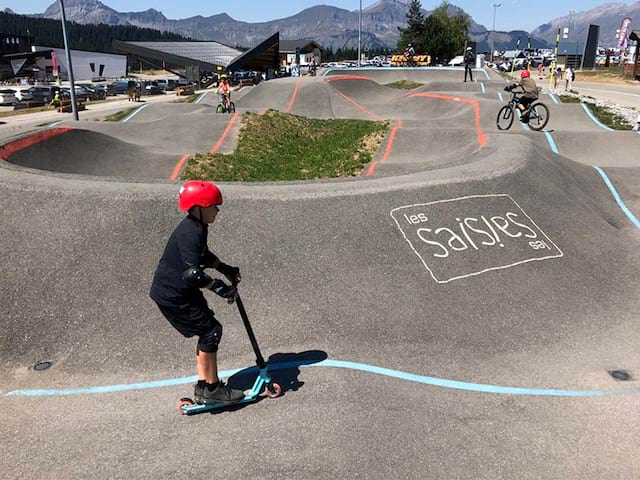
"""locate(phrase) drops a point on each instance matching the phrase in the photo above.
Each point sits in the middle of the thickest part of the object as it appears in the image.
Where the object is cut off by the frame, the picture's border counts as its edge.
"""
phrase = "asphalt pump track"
(466, 308)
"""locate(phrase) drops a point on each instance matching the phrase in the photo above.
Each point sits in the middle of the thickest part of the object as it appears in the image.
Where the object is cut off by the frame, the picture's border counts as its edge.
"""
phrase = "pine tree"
(414, 33)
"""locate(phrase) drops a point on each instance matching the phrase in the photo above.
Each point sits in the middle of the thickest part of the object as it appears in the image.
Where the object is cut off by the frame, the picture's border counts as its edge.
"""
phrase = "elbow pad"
(195, 277)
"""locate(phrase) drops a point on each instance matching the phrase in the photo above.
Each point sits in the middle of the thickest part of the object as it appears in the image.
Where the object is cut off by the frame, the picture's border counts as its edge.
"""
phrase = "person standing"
(557, 78)
(469, 63)
(568, 75)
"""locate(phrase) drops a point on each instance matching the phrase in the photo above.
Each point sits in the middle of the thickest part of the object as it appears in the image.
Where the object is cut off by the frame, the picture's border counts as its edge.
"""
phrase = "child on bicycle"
(529, 96)
(178, 281)
(224, 90)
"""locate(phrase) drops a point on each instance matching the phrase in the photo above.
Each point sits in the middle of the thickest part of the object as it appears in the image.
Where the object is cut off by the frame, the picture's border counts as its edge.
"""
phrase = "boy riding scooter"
(178, 281)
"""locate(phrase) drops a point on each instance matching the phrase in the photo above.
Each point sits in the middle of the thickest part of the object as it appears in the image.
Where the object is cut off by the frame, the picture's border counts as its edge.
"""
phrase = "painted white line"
(553, 97)
(55, 124)
(201, 97)
(135, 113)
(484, 90)
(500, 97)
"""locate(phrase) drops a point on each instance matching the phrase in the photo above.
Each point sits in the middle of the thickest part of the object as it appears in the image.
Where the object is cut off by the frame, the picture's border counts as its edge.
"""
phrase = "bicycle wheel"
(538, 116)
(220, 108)
(505, 118)
(232, 107)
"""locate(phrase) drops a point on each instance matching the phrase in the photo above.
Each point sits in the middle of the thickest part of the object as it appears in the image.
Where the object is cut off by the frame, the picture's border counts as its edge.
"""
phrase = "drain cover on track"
(620, 375)
(40, 366)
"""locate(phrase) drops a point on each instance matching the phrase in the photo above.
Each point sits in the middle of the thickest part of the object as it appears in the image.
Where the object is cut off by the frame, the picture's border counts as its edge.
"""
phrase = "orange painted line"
(387, 150)
(482, 137)
(179, 166)
(360, 107)
(347, 77)
(225, 133)
(12, 147)
(295, 94)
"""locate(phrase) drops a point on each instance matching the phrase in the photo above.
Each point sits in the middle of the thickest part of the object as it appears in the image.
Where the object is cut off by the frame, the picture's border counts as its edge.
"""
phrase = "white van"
(457, 61)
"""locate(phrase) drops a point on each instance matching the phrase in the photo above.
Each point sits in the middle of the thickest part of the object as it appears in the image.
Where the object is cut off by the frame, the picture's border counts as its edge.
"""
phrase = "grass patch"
(404, 85)
(189, 99)
(116, 117)
(568, 99)
(608, 118)
(281, 146)
(23, 111)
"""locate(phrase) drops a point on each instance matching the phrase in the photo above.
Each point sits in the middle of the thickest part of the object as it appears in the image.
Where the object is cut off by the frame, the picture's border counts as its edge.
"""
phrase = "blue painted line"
(500, 96)
(617, 198)
(55, 124)
(437, 382)
(483, 89)
(595, 120)
(552, 143)
(553, 97)
(201, 97)
(133, 114)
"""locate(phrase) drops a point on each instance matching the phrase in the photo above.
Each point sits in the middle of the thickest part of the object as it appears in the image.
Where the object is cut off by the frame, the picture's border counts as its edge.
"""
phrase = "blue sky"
(512, 15)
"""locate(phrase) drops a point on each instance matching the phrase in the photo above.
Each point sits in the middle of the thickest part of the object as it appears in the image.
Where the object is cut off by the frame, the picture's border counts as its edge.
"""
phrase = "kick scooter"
(263, 384)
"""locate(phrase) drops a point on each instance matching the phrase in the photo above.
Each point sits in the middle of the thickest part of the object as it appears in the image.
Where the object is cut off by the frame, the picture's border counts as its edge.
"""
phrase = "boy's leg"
(207, 366)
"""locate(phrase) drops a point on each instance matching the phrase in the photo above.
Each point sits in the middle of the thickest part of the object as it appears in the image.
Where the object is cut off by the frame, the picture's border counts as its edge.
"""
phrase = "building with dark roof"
(300, 52)
(201, 58)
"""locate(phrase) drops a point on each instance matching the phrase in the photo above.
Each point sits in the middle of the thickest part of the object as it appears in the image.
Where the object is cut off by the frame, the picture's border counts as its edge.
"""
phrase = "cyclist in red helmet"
(530, 89)
(181, 276)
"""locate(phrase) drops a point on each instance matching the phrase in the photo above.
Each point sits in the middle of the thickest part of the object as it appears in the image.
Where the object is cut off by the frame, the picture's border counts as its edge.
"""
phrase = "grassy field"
(116, 117)
(280, 146)
(404, 85)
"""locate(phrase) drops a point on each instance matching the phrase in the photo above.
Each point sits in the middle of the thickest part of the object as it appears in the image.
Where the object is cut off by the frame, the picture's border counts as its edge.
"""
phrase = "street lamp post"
(360, 34)
(72, 88)
(493, 32)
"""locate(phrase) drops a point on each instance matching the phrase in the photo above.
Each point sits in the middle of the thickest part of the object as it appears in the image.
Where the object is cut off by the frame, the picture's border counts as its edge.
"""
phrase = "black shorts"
(526, 101)
(195, 320)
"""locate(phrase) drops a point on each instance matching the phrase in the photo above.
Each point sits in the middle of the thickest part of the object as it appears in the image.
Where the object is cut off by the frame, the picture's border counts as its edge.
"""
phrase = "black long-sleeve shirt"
(187, 247)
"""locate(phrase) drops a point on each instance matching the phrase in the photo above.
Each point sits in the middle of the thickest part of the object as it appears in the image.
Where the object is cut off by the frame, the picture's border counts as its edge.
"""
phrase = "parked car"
(43, 92)
(121, 86)
(7, 97)
(152, 89)
(21, 93)
(165, 84)
(457, 61)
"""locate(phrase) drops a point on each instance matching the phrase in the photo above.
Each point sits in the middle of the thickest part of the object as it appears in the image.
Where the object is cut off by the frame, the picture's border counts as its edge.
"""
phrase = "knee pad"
(209, 343)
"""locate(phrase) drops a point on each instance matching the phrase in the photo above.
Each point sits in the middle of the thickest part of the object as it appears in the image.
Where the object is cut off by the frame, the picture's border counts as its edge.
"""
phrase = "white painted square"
(468, 236)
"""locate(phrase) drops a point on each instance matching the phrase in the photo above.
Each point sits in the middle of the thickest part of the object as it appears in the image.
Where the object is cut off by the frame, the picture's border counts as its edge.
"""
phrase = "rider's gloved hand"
(232, 273)
(225, 291)
(507, 88)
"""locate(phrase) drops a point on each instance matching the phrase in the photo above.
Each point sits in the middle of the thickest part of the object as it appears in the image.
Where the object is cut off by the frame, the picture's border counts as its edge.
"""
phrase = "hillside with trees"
(93, 38)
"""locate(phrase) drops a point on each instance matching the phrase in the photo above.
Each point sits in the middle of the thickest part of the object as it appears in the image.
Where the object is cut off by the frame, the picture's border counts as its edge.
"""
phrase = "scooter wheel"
(272, 390)
(184, 402)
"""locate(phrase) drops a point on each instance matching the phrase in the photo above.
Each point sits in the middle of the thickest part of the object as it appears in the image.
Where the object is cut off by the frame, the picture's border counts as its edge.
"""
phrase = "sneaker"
(222, 393)
(198, 391)
(524, 119)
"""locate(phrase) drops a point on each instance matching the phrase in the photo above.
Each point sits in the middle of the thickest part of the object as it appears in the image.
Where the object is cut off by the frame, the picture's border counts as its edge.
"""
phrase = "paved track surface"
(499, 264)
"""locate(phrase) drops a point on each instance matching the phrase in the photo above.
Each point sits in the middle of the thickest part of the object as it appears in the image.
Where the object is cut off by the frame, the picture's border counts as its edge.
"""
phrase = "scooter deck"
(198, 408)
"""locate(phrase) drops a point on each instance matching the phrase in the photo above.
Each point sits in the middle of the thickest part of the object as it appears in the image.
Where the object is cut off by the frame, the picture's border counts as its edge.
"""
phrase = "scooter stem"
(254, 343)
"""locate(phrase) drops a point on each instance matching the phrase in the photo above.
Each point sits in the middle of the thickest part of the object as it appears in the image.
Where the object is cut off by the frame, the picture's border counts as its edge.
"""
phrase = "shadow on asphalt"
(284, 369)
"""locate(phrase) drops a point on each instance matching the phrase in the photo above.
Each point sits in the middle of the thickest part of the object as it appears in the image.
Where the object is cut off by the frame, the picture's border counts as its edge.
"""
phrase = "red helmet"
(525, 74)
(200, 193)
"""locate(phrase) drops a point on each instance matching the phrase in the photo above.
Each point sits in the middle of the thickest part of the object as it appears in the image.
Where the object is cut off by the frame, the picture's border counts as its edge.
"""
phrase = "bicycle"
(538, 114)
(226, 107)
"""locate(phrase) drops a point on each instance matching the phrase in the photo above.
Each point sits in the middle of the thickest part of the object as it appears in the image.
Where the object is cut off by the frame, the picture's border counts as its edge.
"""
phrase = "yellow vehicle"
(418, 61)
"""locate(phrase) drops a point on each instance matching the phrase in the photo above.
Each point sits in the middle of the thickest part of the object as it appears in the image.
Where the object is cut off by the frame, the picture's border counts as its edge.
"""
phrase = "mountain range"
(335, 27)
